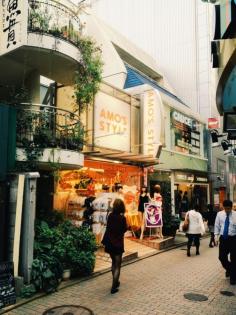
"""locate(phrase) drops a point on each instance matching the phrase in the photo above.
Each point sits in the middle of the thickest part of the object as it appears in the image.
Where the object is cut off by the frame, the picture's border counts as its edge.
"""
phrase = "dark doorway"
(45, 191)
(4, 197)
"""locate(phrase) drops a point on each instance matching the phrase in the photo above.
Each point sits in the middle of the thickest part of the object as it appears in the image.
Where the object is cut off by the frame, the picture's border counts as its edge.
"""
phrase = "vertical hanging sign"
(13, 24)
(152, 124)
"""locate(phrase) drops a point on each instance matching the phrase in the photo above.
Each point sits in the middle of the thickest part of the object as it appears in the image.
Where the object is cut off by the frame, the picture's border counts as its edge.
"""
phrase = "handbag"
(105, 239)
(185, 225)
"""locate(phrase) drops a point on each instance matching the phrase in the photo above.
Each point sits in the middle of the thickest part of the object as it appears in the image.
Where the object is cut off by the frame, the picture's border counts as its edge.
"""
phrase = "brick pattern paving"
(155, 285)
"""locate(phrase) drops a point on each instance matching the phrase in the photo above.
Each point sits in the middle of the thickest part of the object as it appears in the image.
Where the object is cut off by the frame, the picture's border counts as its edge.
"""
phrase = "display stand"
(152, 218)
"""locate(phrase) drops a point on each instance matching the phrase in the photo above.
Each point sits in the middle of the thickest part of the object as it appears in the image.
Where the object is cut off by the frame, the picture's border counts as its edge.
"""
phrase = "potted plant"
(170, 223)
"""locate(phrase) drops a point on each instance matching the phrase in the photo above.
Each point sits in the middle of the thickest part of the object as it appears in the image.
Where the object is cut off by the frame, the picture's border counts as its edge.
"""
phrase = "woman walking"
(113, 240)
(195, 229)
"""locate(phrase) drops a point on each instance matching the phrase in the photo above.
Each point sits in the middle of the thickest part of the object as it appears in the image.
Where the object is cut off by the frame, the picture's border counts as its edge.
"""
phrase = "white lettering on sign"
(112, 122)
(153, 129)
(201, 179)
(181, 176)
(182, 118)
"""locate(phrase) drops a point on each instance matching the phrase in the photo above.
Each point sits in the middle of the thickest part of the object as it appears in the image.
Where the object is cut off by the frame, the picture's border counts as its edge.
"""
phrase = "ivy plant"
(89, 73)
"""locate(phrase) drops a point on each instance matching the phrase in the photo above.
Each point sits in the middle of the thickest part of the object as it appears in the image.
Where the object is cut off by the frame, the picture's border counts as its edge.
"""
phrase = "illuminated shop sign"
(13, 24)
(185, 134)
(182, 118)
(112, 122)
(184, 177)
(190, 178)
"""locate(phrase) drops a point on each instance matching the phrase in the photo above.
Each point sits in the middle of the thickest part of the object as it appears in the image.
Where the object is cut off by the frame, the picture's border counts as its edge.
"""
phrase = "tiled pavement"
(155, 285)
(103, 260)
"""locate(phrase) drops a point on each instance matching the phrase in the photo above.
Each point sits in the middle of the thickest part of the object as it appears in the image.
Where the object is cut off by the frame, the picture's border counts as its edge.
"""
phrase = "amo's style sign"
(112, 122)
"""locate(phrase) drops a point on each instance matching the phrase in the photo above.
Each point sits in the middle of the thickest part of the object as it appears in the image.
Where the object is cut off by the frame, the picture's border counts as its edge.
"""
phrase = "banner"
(13, 24)
(153, 126)
(153, 215)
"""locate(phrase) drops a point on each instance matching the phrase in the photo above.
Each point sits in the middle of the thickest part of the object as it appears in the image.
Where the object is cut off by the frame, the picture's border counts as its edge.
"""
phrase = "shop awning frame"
(123, 157)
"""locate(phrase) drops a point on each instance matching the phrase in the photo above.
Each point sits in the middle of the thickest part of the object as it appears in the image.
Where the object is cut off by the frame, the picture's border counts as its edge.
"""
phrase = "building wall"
(178, 42)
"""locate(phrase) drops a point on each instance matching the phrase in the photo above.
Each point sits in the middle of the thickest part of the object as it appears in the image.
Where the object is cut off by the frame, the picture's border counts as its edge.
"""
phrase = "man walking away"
(225, 232)
(210, 217)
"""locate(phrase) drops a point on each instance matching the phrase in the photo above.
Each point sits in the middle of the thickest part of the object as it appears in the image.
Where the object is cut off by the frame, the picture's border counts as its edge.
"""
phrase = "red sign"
(213, 123)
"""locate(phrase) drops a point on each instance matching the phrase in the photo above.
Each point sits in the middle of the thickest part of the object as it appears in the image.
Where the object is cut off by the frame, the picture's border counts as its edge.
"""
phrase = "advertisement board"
(185, 134)
(7, 284)
(153, 215)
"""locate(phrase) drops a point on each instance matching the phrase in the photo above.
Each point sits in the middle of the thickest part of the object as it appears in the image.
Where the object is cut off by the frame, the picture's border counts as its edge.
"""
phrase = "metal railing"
(56, 18)
(45, 126)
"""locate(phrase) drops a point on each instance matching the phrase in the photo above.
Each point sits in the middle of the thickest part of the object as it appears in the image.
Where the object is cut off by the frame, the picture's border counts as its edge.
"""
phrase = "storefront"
(123, 140)
(190, 189)
(86, 195)
(183, 163)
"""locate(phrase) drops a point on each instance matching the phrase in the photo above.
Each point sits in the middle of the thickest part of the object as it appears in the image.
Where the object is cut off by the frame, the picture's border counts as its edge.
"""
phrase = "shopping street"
(155, 285)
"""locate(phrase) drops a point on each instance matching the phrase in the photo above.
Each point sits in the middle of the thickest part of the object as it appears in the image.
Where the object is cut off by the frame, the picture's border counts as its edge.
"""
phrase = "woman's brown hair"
(118, 206)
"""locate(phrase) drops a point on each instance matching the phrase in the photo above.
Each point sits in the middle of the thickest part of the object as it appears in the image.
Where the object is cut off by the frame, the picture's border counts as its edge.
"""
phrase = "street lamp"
(210, 1)
(227, 146)
(214, 138)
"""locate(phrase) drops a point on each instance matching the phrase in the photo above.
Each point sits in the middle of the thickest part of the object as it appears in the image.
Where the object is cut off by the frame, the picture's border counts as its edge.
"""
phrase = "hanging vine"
(89, 73)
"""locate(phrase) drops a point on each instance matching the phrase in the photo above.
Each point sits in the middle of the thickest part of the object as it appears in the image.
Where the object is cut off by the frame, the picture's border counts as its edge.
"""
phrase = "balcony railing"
(44, 126)
(56, 18)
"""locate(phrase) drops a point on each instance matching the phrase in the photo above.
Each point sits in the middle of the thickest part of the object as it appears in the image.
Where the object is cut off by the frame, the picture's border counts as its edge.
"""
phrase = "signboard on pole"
(213, 123)
(153, 215)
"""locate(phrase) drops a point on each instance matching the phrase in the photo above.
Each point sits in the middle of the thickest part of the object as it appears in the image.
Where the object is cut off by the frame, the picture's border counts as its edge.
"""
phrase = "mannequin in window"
(157, 198)
(144, 197)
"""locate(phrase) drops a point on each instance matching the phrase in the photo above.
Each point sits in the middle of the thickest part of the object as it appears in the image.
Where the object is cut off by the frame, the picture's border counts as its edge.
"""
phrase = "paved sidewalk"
(155, 285)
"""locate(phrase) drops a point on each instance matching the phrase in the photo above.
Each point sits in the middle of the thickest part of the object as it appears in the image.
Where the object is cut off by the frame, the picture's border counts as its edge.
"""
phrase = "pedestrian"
(113, 240)
(178, 200)
(234, 206)
(210, 217)
(144, 197)
(225, 233)
(195, 229)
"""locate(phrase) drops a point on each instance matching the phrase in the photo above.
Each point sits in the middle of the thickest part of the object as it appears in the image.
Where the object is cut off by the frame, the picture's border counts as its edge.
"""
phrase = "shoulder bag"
(185, 225)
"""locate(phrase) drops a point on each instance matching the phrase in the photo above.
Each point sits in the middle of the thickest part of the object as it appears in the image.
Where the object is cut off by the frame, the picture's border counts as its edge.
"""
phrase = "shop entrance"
(187, 195)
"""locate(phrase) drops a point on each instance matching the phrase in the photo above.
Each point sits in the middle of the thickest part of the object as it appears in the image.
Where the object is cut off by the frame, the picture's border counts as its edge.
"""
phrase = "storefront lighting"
(227, 146)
